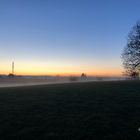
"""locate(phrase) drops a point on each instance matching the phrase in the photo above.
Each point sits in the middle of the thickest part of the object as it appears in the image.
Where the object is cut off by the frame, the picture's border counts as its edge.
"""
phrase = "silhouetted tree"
(131, 53)
(83, 76)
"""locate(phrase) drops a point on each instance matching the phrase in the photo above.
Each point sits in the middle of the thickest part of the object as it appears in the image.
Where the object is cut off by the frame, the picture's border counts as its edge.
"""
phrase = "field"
(94, 110)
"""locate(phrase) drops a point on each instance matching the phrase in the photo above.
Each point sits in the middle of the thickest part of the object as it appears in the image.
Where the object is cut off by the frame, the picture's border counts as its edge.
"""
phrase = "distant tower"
(13, 68)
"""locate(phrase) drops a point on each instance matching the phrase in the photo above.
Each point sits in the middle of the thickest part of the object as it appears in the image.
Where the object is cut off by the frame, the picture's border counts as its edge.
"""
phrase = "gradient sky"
(65, 36)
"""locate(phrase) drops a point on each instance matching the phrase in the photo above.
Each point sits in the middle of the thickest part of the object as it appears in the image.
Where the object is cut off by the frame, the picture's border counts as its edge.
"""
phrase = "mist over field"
(42, 80)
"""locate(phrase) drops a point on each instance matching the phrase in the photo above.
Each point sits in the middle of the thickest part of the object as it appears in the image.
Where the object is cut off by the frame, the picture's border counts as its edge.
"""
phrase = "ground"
(94, 110)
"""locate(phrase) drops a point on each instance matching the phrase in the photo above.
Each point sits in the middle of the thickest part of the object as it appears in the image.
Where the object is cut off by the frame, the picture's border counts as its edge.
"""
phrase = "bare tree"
(131, 53)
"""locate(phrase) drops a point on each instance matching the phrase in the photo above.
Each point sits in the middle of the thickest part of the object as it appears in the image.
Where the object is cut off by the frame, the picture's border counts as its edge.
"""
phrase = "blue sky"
(65, 36)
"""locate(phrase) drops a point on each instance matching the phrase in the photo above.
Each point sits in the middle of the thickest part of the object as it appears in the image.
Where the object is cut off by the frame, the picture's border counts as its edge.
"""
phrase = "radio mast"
(13, 68)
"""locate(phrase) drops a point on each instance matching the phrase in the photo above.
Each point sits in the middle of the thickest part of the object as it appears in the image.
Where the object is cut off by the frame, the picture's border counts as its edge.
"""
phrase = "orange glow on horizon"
(67, 73)
(54, 69)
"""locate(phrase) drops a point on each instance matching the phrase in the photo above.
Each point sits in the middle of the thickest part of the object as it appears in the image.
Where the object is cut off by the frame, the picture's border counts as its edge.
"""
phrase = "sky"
(65, 37)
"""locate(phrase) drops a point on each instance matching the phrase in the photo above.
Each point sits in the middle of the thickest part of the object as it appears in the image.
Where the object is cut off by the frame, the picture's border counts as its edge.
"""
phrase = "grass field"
(97, 110)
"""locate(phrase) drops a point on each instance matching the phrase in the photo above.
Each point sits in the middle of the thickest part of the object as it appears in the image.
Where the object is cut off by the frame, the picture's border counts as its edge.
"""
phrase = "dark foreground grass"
(98, 110)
